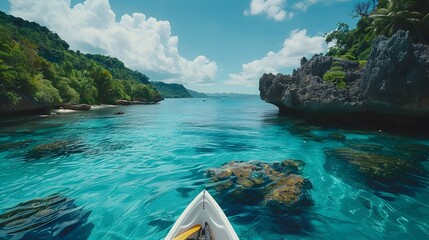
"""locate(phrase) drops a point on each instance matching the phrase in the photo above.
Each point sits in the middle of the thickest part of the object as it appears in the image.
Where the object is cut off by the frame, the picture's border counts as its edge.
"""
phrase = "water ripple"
(130, 177)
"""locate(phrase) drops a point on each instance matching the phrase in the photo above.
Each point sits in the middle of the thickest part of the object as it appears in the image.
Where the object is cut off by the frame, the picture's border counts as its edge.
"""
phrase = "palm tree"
(402, 14)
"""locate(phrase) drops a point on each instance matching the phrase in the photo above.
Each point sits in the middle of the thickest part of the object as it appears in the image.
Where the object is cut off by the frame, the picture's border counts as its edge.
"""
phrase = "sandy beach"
(93, 107)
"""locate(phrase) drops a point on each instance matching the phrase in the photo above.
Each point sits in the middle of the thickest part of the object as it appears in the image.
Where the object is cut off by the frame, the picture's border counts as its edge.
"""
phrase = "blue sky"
(209, 46)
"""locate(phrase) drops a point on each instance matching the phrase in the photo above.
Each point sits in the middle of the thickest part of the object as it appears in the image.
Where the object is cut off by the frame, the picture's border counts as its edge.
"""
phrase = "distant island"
(231, 95)
(376, 73)
(196, 94)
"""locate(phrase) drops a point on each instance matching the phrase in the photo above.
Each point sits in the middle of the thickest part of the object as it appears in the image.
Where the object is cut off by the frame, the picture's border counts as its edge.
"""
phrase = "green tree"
(67, 93)
(351, 44)
(341, 38)
(104, 83)
(117, 92)
(141, 92)
(45, 93)
(394, 15)
(88, 92)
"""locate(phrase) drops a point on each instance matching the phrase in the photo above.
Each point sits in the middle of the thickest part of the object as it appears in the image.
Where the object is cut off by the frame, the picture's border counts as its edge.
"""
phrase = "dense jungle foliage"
(37, 66)
(382, 17)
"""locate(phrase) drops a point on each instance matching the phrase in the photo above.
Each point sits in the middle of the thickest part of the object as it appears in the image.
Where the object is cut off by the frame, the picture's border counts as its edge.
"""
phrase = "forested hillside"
(38, 69)
(171, 90)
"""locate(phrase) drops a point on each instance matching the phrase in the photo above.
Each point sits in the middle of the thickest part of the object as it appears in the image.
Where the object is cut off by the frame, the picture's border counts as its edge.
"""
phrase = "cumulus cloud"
(143, 43)
(303, 5)
(298, 44)
(274, 9)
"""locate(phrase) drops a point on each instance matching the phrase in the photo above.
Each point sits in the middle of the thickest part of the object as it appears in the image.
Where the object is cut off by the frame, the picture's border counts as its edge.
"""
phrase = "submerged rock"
(56, 148)
(305, 132)
(5, 146)
(278, 184)
(416, 152)
(53, 217)
(381, 170)
(288, 191)
(363, 145)
(374, 165)
(337, 137)
(184, 191)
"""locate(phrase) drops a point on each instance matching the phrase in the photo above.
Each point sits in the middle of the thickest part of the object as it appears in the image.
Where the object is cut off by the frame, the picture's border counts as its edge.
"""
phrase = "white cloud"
(274, 9)
(142, 43)
(303, 5)
(297, 45)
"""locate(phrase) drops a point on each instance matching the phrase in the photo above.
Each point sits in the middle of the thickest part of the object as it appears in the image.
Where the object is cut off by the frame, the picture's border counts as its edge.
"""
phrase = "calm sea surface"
(106, 176)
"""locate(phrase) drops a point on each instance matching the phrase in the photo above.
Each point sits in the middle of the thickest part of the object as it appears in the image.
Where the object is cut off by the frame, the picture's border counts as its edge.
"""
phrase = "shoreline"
(93, 107)
(52, 112)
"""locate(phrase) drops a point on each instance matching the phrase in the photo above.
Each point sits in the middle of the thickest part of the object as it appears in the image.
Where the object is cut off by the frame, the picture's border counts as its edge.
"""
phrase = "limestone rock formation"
(396, 77)
(306, 91)
(393, 86)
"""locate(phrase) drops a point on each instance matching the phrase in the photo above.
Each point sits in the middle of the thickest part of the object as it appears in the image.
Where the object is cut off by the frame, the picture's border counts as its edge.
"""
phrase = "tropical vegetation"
(383, 17)
(171, 90)
(37, 66)
(336, 75)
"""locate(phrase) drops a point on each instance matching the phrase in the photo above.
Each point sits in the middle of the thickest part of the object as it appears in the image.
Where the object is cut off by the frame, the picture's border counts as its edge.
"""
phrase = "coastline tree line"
(37, 66)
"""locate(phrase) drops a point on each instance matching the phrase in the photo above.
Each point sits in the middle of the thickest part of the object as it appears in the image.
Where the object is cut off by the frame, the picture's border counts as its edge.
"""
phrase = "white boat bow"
(203, 209)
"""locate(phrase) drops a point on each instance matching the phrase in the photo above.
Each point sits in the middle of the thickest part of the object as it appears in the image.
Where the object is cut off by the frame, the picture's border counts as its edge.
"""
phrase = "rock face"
(394, 82)
(396, 77)
(78, 107)
(305, 90)
(251, 183)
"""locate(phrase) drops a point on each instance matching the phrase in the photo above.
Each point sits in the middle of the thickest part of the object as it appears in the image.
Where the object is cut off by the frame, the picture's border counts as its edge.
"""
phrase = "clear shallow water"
(132, 175)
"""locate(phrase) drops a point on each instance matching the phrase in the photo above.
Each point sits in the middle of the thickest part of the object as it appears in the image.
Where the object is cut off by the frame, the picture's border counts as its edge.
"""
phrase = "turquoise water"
(130, 176)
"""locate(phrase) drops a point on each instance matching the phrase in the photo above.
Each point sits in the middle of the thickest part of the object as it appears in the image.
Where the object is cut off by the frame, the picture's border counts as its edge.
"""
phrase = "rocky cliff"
(393, 85)
(396, 77)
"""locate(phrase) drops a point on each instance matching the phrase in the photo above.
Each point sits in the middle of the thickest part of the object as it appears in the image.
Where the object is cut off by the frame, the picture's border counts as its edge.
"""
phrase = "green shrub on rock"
(362, 63)
(336, 75)
(348, 56)
(341, 85)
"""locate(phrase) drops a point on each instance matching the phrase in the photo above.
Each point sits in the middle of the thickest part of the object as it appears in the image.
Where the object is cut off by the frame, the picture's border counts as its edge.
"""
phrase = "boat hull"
(204, 209)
